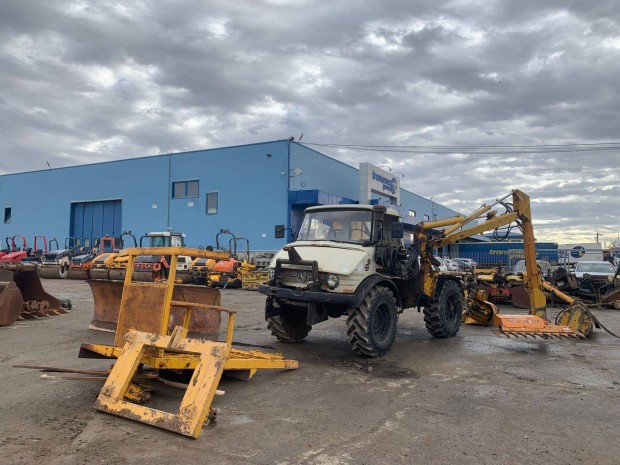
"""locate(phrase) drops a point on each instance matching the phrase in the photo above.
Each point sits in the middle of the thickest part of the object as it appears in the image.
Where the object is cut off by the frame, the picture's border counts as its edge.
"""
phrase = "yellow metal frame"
(159, 350)
(196, 403)
(237, 360)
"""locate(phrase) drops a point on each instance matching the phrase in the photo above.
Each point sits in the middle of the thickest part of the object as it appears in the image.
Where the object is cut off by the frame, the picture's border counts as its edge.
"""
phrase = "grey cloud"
(92, 81)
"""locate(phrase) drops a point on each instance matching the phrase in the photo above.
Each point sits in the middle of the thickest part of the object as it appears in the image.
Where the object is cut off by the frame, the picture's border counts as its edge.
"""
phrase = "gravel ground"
(472, 399)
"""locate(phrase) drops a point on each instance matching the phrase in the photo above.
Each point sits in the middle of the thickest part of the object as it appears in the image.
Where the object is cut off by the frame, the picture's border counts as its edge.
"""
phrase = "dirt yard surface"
(473, 399)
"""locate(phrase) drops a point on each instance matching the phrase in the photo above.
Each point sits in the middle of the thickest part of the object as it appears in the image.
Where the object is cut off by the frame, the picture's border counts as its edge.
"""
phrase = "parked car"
(597, 270)
(544, 265)
(467, 264)
(447, 265)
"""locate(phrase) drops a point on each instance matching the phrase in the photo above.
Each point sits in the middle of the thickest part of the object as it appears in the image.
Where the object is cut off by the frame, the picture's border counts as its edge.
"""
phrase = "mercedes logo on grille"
(302, 276)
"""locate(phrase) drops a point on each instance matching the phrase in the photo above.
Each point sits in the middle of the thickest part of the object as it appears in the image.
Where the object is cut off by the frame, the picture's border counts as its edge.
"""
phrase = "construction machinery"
(79, 267)
(55, 262)
(234, 274)
(22, 295)
(153, 329)
(351, 260)
(15, 253)
(199, 270)
(100, 267)
(149, 268)
(118, 267)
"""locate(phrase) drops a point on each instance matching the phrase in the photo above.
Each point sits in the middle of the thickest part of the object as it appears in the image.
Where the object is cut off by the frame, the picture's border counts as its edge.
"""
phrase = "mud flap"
(196, 404)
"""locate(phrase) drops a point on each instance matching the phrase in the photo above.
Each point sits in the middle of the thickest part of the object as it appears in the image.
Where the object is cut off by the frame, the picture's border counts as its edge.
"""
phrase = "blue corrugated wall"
(252, 183)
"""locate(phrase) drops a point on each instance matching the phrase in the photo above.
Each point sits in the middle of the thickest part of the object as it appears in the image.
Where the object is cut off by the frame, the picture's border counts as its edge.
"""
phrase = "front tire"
(291, 326)
(443, 317)
(371, 328)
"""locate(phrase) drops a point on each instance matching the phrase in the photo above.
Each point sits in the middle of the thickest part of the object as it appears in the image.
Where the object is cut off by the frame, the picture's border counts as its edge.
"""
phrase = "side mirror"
(279, 232)
(398, 230)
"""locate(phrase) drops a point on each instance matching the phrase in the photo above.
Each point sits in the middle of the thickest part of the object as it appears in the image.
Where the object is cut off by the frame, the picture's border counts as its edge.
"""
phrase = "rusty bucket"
(107, 297)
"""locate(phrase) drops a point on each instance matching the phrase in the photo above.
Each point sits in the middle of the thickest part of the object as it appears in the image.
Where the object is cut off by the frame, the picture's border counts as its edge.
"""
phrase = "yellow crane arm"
(520, 213)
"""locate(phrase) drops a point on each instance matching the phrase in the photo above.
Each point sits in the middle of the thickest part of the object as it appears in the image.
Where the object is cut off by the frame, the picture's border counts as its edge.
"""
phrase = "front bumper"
(284, 293)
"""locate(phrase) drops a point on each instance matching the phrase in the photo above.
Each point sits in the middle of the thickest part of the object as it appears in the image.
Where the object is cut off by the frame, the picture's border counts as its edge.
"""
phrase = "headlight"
(272, 273)
(332, 281)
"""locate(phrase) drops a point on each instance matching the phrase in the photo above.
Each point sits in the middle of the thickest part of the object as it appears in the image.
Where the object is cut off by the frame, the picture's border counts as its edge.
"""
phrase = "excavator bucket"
(22, 294)
(11, 300)
(107, 296)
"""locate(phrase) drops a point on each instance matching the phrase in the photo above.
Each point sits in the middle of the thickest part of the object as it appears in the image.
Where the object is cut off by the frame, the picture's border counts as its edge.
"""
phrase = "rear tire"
(443, 317)
(290, 326)
(372, 327)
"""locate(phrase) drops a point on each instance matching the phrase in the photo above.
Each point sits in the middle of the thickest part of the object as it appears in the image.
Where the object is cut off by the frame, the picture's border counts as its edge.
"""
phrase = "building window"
(212, 203)
(426, 217)
(184, 189)
(412, 213)
(7, 215)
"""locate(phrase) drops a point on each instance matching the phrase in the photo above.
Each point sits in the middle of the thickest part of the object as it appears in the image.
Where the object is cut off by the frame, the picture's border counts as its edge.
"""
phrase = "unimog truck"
(350, 260)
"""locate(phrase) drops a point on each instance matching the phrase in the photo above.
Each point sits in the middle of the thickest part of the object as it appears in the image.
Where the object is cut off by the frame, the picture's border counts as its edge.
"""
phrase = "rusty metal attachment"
(480, 311)
(22, 294)
(107, 297)
(144, 337)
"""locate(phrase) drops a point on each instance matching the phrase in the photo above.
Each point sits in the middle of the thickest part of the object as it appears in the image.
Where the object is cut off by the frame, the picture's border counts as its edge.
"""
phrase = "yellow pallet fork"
(143, 338)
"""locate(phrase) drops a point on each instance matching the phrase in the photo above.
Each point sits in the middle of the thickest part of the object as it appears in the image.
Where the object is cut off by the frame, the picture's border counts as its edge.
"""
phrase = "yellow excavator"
(577, 323)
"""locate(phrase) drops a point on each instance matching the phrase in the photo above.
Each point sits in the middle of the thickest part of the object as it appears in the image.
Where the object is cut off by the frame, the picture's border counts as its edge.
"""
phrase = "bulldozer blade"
(107, 302)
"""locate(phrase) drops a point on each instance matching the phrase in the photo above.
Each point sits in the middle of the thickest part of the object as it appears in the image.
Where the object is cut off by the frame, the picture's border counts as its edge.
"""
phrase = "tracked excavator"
(351, 260)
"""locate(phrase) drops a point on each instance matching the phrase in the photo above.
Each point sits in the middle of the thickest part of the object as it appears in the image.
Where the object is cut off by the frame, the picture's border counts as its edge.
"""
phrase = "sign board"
(376, 180)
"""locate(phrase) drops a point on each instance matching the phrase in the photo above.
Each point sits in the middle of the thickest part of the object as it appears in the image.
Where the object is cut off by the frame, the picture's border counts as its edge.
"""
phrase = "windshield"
(166, 241)
(602, 267)
(337, 225)
(542, 264)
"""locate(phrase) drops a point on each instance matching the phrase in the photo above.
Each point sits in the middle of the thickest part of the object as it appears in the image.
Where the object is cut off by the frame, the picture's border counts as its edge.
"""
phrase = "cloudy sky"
(85, 81)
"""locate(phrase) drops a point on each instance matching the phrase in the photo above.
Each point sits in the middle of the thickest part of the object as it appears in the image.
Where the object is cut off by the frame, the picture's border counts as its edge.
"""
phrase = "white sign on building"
(379, 181)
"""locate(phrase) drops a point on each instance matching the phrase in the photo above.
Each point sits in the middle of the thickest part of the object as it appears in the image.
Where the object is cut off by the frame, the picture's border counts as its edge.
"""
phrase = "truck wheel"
(443, 317)
(289, 327)
(372, 326)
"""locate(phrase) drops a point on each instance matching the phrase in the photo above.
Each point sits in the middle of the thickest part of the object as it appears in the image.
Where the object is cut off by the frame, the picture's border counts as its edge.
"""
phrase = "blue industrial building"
(247, 189)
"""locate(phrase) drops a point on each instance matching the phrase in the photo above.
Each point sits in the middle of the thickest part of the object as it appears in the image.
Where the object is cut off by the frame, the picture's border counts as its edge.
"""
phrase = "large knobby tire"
(290, 326)
(372, 327)
(443, 318)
